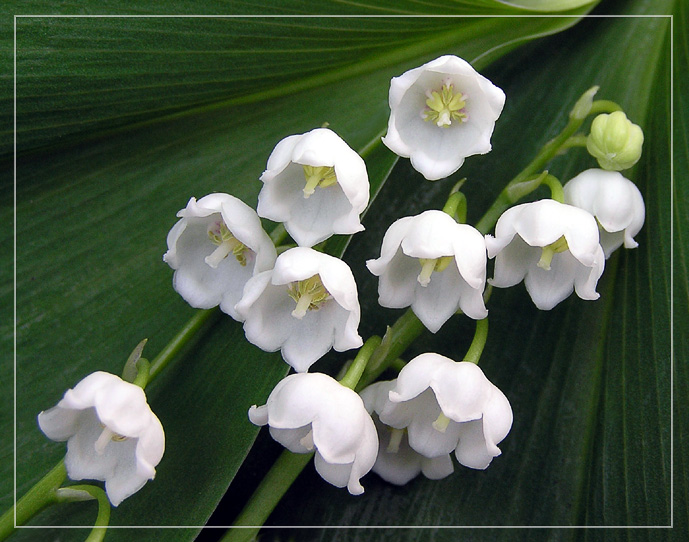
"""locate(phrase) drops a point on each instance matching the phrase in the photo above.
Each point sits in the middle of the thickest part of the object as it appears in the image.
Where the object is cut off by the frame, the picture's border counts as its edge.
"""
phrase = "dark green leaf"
(92, 215)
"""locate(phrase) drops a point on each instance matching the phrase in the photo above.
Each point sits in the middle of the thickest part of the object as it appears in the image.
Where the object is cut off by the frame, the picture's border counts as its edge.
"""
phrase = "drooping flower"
(448, 406)
(316, 184)
(615, 141)
(313, 411)
(616, 203)
(112, 435)
(305, 306)
(440, 113)
(397, 462)
(215, 248)
(553, 247)
(435, 265)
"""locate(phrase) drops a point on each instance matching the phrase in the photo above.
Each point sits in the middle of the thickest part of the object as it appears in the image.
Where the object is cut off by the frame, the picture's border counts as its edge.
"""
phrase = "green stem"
(547, 153)
(279, 234)
(396, 340)
(42, 494)
(456, 207)
(604, 106)
(72, 494)
(578, 140)
(266, 497)
(143, 374)
(476, 348)
(356, 369)
(556, 191)
(288, 466)
(180, 340)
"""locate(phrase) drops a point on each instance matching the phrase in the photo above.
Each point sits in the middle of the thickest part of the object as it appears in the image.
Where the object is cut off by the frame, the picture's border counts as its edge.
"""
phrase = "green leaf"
(75, 75)
(590, 383)
(94, 206)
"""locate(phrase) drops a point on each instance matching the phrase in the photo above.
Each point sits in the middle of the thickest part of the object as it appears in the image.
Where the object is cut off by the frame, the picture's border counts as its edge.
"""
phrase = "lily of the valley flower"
(312, 411)
(306, 305)
(440, 113)
(553, 247)
(111, 434)
(397, 462)
(616, 203)
(435, 265)
(316, 184)
(448, 406)
(215, 248)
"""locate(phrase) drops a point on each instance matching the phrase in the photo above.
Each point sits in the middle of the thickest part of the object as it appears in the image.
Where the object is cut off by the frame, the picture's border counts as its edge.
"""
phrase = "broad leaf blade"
(589, 382)
(91, 223)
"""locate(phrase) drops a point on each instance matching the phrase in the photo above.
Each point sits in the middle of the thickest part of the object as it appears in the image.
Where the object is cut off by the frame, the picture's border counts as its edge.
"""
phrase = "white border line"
(302, 16)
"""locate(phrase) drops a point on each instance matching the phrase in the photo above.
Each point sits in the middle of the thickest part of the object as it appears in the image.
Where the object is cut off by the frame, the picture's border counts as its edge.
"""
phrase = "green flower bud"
(615, 141)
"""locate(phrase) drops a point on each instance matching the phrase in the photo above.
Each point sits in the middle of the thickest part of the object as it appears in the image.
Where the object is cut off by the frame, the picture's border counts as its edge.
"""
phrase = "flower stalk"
(560, 142)
(479, 341)
(41, 495)
(88, 492)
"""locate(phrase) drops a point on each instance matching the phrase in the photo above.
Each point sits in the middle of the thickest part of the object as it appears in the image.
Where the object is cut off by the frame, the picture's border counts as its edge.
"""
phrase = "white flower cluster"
(305, 302)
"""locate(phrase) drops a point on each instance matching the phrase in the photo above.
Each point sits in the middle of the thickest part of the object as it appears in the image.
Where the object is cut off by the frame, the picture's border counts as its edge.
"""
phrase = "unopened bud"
(615, 141)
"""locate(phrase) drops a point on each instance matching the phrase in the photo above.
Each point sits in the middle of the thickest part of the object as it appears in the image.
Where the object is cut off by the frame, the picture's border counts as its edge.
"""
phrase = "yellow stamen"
(445, 106)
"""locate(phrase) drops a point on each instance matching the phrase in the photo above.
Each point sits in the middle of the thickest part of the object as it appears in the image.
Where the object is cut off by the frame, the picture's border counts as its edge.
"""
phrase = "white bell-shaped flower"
(215, 248)
(397, 462)
(305, 306)
(616, 203)
(313, 411)
(435, 265)
(553, 247)
(440, 113)
(448, 406)
(316, 184)
(111, 434)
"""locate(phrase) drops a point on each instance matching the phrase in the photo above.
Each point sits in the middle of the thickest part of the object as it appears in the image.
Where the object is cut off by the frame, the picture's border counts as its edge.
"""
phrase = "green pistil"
(441, 423)
(318, 176)
(550, 250)
(310, 294)
(429, 265)
(445, 106)
(227, 243)
(395, 440)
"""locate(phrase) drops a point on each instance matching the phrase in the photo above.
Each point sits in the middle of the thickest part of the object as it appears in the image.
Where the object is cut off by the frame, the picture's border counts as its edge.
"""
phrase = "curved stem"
(547, 153)
(604, 106)
(42, 494)
(87, 492)
(180, 340)
(578, 140)
(476, 348)
(556, 191)
(266, 497)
